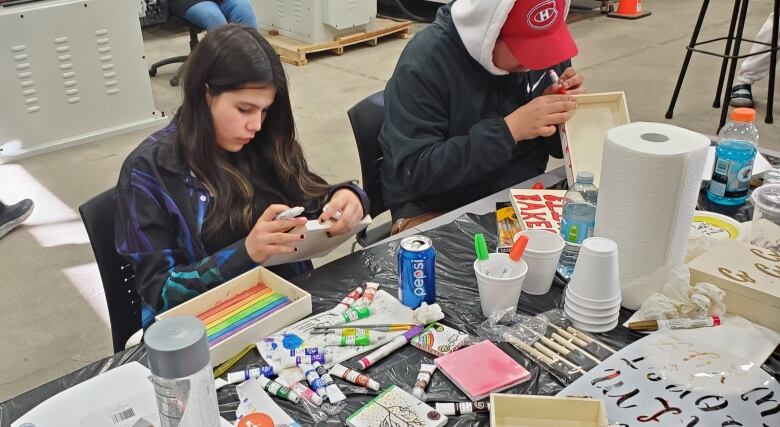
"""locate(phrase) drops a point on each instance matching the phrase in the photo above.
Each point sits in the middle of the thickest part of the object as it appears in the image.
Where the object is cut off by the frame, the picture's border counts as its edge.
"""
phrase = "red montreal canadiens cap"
(535, 32)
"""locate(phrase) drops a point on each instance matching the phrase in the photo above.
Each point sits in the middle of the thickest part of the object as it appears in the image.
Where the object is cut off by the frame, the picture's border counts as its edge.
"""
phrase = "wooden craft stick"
(573, 347)
(555, 357)
(542, 357)
(588, 339)
(568, 336)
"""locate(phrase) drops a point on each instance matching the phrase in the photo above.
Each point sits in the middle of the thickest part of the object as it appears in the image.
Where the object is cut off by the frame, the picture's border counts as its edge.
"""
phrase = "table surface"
(457, 294)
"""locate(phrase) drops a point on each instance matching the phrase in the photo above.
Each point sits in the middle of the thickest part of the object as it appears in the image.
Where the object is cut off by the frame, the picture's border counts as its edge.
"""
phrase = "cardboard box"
(749, 275)
(582, 137)
(519, 410)
(299, 307)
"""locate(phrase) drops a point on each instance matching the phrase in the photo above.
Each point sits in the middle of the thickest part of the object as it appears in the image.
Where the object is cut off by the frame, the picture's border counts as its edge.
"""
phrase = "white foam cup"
(596, 275)
(542, 254)
(497, 293)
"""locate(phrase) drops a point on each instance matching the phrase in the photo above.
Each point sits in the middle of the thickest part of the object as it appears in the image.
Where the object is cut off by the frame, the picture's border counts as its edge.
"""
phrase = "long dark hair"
(229, 58)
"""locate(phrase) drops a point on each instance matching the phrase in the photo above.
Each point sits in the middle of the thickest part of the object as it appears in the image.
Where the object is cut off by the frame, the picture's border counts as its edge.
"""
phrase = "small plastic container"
(765, 230)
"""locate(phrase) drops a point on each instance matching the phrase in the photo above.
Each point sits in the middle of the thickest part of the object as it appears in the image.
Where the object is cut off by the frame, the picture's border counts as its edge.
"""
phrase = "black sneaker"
(741, 96)
(11, 216)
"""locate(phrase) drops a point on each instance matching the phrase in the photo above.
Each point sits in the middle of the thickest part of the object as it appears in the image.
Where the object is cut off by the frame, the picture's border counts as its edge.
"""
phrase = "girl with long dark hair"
(196, 201)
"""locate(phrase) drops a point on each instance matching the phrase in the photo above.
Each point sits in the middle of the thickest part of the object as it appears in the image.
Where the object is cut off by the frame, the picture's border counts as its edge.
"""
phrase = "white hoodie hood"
(479, 23)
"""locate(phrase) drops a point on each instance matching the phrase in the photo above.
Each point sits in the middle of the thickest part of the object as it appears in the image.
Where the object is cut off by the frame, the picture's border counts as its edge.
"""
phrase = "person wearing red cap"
(470, 110)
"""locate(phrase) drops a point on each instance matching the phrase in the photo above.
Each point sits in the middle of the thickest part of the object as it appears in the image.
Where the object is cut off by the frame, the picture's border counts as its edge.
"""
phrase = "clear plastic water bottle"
(734, 158)
(579, 219)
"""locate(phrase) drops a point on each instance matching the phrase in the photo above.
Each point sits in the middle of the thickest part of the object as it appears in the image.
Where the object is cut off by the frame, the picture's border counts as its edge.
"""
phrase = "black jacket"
(445, 142)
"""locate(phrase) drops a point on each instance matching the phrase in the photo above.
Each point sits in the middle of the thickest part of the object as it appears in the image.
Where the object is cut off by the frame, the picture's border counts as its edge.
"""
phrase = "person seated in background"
(753, 68)
(469, 110)
(13, 215)
(212, 14)
(196, 201)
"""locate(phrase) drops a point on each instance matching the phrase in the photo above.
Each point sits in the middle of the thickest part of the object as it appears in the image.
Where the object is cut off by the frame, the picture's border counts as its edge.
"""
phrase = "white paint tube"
(291, 361)
(423, 378)
(355, 340)
(276, 389)
(306, 393)
(314, 379)
(462, 408)
(369, 293)
(347, 301)
(248, 373)
(331, 389)
(303, 351)
(341, 371)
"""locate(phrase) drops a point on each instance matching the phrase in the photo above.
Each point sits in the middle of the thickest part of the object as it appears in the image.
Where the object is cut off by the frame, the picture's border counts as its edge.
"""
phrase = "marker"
(289, 213)
(514, 255)
(390, 347)
(480, 247)
(554, 77)
(654, 325)
(341, 371)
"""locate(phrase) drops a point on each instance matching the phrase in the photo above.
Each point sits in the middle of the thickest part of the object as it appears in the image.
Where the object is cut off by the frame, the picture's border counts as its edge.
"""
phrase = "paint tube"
(369, 293)
(351, 332)
(423, 378)
(390, 347)
(341, 371)
(291, 361)
(353, 314)
(314, 379)
(347, 301)
(307, 351)
(331, 389)
(461, 408)
(306, 393)
(358, 340)
(248, 373)
(277, 389)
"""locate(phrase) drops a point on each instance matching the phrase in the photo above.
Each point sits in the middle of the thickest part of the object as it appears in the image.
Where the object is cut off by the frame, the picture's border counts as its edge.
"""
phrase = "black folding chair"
(367, 118)
(124, 304)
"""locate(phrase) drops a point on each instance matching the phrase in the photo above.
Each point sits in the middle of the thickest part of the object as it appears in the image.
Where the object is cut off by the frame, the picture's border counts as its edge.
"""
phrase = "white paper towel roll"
(650, 179)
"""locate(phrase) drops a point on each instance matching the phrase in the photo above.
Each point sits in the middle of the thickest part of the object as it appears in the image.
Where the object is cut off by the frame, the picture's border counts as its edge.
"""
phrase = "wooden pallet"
(294, 51)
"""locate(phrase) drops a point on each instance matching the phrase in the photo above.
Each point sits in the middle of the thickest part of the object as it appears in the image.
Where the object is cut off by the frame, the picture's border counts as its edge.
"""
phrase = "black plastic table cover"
(456, 291)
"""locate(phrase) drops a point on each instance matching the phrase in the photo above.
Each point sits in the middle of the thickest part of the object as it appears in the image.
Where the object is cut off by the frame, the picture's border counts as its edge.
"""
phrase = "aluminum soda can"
(416, 271)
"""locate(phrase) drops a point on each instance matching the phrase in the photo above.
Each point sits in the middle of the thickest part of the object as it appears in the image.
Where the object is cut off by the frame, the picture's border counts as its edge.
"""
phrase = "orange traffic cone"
(629, 9)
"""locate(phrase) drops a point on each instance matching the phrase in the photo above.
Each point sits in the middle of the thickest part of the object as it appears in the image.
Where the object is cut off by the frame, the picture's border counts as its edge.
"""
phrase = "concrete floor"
(52, 312)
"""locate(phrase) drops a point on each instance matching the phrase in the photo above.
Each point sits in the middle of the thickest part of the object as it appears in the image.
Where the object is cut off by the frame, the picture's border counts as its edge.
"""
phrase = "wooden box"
(299, 307)
(749, 275)
(582, 137)
(520, 410)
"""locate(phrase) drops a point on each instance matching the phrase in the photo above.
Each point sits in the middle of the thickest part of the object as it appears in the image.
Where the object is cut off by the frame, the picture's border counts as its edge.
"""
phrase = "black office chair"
(194, 30)
(367, 118)
(124, 304)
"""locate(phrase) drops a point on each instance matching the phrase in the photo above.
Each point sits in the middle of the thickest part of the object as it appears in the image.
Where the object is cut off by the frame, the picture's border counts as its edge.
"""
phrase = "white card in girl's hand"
(317, 243)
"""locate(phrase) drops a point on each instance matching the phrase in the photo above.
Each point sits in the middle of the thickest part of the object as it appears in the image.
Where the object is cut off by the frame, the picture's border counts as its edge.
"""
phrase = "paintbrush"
(594, 347)
(575, 356)
(563, 367)
(398, 326)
